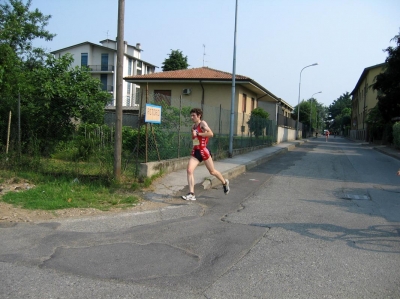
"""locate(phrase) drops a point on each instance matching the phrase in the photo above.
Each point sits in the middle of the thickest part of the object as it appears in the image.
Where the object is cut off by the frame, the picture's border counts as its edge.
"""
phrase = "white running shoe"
(226, 187)
(189, 196)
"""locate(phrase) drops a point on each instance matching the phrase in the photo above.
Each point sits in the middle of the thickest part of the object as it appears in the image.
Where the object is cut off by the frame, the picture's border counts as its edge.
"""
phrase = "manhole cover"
(355, 196)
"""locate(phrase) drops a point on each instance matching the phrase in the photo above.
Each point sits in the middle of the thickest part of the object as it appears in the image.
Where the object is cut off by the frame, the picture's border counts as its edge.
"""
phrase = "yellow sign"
(153, 114)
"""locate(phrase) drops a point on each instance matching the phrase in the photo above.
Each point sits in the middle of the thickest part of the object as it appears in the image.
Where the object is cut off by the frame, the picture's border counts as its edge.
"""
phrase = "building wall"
(271, 108)
(364, 99)
(286, 134)
(215, 96)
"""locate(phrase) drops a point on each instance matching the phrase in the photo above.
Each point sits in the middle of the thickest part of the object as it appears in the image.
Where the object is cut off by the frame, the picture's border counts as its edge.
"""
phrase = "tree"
(19, 26)
(304, 114)
(175, 61)
(258, 121)
(388, 84)
(53, 95)
(342, 102)
(58, 96)
(339, 112)
(376, 124)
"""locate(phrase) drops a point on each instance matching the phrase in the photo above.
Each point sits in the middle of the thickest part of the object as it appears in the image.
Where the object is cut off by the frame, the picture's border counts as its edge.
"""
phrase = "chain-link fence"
(172, 137)
(144, 142)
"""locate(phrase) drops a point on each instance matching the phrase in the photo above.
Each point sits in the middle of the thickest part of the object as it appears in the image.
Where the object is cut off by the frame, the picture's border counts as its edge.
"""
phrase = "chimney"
(138, 46)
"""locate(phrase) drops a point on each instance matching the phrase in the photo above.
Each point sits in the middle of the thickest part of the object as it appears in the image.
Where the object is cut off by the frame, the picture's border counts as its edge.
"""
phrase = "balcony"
(108, 88)
(128, 103)
(101, 68)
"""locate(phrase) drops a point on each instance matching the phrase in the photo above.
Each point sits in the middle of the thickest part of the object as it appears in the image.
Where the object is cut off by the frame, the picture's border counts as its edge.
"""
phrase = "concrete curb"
(212, 181)
(383, 150)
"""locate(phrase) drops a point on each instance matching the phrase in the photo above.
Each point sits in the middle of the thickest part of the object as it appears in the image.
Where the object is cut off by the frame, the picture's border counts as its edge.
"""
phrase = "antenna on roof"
(107, 37)
(204, 52)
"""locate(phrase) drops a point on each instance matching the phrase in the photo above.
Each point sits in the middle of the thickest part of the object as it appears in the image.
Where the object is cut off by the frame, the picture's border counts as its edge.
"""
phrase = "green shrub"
(396, 134)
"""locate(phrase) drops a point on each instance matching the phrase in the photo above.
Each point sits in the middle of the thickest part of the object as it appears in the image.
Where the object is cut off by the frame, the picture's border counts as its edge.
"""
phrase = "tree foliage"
(52, 94)
(388, 84)
(312, 108)
(258, 121)
(175, 61)
(61, 94)
(337, 106)
(340, 113)
(19, 26)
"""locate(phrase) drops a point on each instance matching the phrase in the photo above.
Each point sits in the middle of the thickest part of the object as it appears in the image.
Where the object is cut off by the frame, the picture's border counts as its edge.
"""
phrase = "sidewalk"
(171, 184)
(387, 150)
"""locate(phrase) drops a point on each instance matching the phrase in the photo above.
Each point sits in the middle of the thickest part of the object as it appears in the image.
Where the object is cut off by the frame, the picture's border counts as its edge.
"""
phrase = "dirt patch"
(10, 213)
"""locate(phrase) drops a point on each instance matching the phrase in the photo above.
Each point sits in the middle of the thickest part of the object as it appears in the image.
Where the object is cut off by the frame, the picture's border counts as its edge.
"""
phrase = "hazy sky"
(275, 39)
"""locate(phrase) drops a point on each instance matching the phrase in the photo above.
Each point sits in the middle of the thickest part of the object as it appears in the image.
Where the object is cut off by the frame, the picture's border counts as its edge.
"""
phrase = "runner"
(200, 134)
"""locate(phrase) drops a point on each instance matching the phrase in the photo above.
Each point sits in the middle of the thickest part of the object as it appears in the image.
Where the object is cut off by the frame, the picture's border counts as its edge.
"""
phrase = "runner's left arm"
(206, 129)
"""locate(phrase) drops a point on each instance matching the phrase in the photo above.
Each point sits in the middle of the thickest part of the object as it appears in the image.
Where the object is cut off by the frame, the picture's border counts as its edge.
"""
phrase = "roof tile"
(194, 73)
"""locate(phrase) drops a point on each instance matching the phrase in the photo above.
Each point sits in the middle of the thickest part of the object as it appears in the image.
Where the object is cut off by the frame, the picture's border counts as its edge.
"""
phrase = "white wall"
(285, 134)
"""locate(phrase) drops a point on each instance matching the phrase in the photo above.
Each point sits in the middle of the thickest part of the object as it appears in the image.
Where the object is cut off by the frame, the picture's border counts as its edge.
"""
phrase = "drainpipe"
(202, 95)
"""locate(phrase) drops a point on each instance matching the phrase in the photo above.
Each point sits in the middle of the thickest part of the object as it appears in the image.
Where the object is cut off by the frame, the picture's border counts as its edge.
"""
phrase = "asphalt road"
(322, 221)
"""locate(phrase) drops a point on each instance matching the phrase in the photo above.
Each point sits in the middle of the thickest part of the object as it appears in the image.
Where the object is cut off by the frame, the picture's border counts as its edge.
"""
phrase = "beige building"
(364, 98)
(205, 87)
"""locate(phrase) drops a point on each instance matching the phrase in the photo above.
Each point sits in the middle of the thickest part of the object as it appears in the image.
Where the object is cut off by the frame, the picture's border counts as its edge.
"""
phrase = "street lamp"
(311, 107)
(298, 101)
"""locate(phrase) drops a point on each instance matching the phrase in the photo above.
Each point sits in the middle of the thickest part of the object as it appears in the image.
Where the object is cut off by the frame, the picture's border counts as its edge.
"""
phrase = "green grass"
(62, 185)
(61, 194)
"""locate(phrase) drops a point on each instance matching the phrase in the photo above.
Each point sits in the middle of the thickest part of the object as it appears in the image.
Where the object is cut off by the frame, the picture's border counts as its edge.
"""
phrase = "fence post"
(147, 97)
(8, 132)
(179, 127)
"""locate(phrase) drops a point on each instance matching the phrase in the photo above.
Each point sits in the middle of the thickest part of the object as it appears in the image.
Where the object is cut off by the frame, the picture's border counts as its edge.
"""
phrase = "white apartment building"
(102, 63)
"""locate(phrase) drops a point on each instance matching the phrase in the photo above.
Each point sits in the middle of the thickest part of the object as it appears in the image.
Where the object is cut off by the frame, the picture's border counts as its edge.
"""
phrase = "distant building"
(364, 98)
(102, 61)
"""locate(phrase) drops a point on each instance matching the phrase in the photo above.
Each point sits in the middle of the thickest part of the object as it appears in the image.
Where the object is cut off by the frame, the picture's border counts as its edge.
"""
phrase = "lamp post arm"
(298, 101)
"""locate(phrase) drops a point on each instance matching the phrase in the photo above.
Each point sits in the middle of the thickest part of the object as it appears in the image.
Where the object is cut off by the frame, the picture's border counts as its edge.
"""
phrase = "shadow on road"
(376, 238)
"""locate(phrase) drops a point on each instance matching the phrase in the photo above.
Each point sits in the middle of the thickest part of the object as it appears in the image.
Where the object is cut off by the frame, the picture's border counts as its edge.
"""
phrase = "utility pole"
(233, 96)
(119, 89)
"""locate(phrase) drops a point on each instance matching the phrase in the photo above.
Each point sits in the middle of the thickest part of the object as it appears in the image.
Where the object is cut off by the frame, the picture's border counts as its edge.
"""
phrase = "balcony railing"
(109, 88)
(127, 101)
(284, 121)
(101, 68)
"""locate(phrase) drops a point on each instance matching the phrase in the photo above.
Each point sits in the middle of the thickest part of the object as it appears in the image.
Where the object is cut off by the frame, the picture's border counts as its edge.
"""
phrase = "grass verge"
(63, 192)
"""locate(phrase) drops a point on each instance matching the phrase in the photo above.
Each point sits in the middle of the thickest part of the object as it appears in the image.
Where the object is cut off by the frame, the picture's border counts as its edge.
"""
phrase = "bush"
(396, 134)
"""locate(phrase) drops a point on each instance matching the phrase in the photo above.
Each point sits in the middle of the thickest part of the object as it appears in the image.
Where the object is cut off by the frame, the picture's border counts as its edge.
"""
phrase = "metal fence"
(287, 122)
(172, 137)
(143, 142)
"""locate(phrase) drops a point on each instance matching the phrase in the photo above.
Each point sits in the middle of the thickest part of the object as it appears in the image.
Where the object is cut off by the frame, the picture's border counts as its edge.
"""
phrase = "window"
(128, 100)
(150, 70)
(244, 100)
(139, 72)
(162, 97)
(137, 95)
(103, 79)
(104, 61)
(84, 59)
(139, 64)
(129, 66)
(253, 102)
(128, 88)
